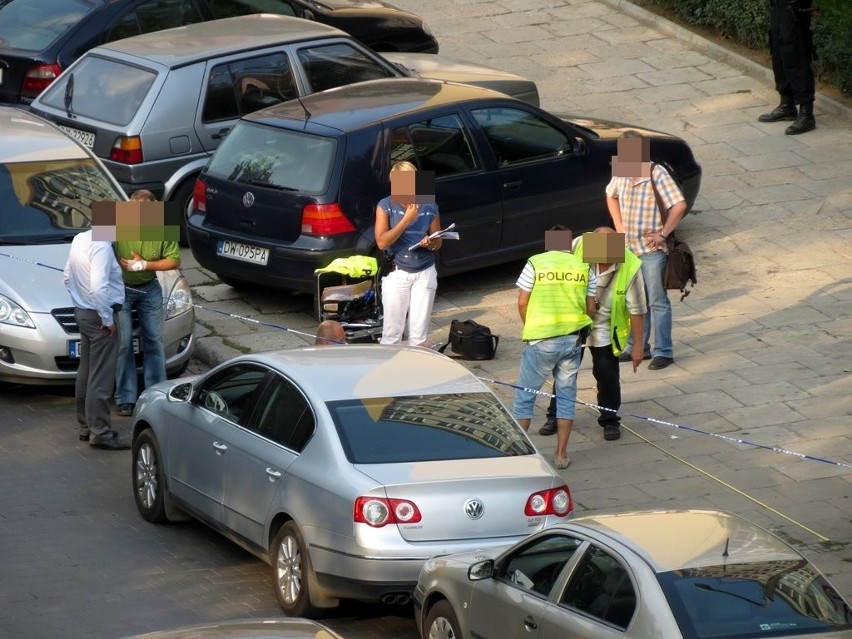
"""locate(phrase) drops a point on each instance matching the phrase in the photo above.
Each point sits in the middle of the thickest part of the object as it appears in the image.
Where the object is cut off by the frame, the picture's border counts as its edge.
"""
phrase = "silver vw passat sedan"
(344, 467)
(688, 574)
(48, 183)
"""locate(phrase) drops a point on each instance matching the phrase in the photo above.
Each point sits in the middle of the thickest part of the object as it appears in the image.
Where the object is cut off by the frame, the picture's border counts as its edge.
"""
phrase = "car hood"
(608, 129)
(32, 276)
(442, 491)
(438, 67)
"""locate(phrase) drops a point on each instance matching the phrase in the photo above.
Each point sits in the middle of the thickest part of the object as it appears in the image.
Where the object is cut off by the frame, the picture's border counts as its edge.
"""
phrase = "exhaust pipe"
(396, 598)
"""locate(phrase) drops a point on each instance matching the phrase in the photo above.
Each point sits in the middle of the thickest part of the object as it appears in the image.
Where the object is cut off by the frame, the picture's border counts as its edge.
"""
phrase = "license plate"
(83, 137)
(244, 252)
(74, 348)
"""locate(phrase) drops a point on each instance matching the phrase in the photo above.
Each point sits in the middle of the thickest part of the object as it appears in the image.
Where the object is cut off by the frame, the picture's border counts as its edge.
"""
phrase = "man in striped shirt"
(632, 203)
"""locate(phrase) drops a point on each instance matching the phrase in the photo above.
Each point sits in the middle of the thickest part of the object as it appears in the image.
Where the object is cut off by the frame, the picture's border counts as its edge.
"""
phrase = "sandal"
(562, 462)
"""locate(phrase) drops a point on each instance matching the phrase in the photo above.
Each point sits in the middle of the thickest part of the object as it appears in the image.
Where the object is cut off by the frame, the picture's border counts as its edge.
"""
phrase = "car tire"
(441, 622)
(149, 486)
(292, 573)
(182, 197)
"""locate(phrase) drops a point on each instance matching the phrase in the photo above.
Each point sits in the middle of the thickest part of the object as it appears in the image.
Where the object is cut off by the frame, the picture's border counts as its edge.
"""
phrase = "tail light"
(199, 197)
(378, 512)
(555, 501)
(38, 78)
(127, 150)
(325, 219)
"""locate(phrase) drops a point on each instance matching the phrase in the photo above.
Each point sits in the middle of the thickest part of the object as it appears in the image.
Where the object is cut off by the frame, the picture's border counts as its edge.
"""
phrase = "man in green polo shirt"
(140, 260)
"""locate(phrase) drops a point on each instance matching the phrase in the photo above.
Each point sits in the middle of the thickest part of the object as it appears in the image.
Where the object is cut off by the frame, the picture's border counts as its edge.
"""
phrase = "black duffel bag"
(469, 340)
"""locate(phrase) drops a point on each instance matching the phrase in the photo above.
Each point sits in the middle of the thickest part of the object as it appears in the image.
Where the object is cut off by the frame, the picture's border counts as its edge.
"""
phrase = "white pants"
(412, 294)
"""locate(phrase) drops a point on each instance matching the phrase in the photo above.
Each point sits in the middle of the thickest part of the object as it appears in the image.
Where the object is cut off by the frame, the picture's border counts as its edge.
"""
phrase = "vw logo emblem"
(248, 199)
(474, 508)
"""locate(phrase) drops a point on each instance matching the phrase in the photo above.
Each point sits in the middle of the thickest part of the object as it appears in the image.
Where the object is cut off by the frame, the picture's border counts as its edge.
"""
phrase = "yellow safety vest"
(619, 318)
(557, 304)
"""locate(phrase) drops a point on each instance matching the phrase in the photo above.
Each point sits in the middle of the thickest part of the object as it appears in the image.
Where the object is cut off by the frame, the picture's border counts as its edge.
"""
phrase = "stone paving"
(762, 345)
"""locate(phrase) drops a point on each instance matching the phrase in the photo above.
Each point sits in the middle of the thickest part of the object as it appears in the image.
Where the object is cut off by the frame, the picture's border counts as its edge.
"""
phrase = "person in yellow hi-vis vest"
(555, 302)
(620, 308)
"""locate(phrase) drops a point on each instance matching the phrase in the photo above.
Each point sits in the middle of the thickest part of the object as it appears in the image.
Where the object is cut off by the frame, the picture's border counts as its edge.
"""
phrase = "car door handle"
(513, 185)
(221, 133)
(220, 448)
(274, 475)
(530, 623)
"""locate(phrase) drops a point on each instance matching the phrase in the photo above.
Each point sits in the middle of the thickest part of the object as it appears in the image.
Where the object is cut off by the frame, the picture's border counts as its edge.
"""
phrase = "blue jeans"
(147, 299)
(556, 356)
(659, 307)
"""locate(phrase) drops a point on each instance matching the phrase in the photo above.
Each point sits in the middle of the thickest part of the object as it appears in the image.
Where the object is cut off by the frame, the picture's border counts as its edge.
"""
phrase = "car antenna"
(725, 552)
(307, 113)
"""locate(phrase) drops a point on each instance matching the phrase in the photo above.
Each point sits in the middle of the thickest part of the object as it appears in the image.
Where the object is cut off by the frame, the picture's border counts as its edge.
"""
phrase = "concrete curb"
(718, 52)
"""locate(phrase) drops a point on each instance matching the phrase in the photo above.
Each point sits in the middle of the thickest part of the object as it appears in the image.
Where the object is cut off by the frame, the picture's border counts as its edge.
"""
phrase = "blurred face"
(413, 187)
(633, 159)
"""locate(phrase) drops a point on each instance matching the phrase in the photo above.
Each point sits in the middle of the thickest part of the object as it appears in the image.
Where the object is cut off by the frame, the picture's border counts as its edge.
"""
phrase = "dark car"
(296, 185)
(41, 38)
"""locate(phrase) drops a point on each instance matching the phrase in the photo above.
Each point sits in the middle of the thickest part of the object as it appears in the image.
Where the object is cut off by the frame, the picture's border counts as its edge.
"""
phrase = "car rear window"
(766, 599)
(101, 89)
(278, 158)
(32, 25)
(50, 202)
(426, 428)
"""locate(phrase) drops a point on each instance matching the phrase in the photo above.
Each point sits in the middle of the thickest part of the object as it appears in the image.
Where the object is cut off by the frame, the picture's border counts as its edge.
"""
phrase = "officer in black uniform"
(791, 46)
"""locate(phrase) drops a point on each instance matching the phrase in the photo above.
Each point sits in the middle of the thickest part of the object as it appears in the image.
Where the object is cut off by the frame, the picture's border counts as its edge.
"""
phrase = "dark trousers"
(96, 374)
(792, 50)
(608, 381)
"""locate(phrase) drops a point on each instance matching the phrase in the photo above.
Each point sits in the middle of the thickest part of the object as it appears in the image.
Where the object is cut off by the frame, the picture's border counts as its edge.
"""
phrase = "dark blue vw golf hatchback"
(294, 186)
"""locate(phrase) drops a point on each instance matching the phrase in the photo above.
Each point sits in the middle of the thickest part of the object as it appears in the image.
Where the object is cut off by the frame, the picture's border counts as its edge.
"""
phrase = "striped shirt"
(639, 211)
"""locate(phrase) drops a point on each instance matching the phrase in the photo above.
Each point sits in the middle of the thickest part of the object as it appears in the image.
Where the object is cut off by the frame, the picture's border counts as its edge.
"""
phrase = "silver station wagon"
(344, 467)
(154, 107)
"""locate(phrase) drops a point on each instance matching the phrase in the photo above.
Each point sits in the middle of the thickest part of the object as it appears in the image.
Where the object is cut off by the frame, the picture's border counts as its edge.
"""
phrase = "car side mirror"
(309, 15)
(181, 392)
(481, 570)
(580, 146)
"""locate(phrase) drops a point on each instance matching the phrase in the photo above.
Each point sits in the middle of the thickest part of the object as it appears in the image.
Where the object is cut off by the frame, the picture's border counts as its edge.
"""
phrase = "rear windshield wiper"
(277, 187)
(69, 94)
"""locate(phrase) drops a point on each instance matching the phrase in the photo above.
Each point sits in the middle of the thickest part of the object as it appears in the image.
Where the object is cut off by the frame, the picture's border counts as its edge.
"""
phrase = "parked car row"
(41, 38)
(155, 107)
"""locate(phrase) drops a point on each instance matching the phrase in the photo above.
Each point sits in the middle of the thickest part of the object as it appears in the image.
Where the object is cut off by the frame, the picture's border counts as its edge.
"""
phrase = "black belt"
(116, 308)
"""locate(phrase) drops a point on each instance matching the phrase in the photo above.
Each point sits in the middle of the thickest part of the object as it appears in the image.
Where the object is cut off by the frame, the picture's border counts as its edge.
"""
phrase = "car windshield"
(278, 158)
(426, 428)
(51, 201)
(104, 90)
(780, 598)
(31, 25)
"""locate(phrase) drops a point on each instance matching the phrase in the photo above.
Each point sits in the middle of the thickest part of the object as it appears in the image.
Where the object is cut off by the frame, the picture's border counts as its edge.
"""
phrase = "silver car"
(686, 574)
(247, 629)
(154, 107)
(344, 467)
(47, 185)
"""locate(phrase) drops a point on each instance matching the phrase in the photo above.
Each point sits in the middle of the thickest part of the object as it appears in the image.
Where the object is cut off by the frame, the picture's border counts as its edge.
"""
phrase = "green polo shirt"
(149, 251)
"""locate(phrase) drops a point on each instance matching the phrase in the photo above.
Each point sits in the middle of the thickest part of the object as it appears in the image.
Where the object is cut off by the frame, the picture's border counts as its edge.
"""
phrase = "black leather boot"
(786, 110)
(805, 122)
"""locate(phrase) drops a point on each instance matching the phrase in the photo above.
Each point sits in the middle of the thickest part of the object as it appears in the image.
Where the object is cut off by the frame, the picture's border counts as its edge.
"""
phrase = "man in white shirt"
(93, 278)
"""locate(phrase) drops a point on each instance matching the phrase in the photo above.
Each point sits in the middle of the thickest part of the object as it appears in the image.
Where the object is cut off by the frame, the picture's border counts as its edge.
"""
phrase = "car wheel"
(149, 487)
(292, 572)
(441, 622)
(183, 197)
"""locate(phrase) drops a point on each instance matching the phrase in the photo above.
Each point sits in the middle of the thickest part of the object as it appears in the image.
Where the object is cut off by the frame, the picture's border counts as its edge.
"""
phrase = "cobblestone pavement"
(762, 345)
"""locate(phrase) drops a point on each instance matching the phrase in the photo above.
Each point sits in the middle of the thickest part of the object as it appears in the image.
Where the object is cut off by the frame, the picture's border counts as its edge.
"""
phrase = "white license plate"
(83, 137)
(244, 252)
(74, 348)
